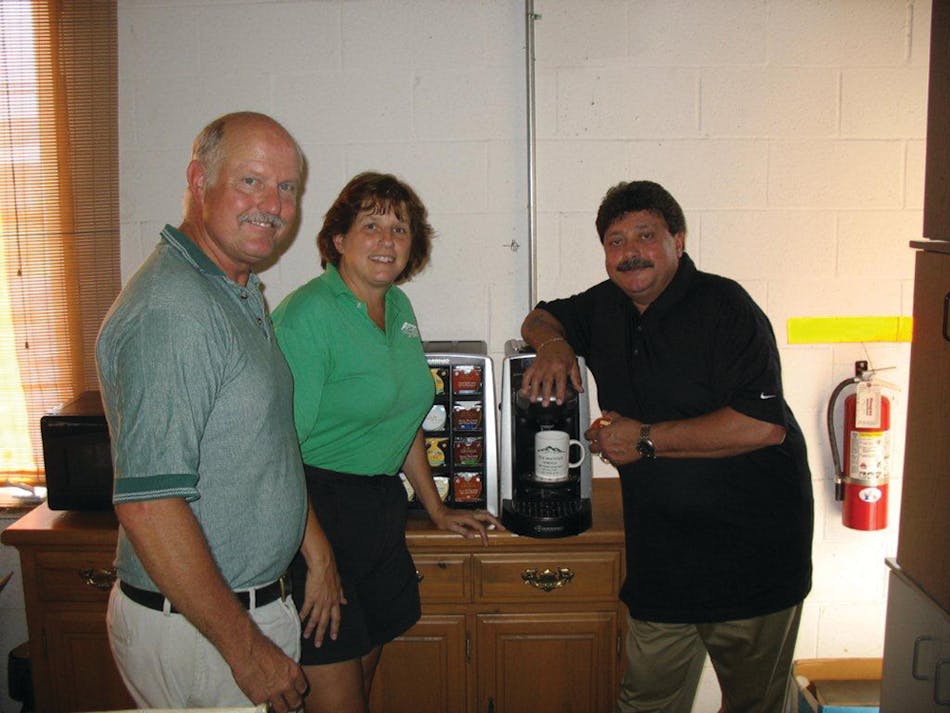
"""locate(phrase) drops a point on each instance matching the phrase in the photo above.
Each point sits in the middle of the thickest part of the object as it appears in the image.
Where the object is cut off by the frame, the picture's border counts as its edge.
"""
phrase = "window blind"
(59, 236)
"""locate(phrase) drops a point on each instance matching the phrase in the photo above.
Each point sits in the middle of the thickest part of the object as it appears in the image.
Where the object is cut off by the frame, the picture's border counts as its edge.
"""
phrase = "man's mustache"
(634, 263)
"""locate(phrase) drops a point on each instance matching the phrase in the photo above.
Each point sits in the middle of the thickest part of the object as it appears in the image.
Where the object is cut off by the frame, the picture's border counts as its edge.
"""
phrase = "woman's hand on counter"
(467, 523)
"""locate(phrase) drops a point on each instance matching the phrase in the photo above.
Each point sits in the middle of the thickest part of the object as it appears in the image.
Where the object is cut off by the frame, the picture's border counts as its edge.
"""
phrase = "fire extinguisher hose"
(833, 438)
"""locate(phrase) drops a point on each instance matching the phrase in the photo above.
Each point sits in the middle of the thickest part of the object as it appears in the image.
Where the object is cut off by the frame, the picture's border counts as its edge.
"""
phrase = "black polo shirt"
(707, 539)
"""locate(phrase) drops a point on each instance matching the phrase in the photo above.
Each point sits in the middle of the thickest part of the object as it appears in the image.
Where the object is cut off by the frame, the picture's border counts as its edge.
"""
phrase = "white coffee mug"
(552, 458)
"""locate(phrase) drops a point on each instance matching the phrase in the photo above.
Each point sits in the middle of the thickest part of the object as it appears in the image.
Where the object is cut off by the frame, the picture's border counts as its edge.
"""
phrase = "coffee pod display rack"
(460, 428)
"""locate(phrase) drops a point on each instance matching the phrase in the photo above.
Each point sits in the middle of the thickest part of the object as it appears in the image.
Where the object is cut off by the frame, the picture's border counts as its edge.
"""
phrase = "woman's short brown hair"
(379, 193)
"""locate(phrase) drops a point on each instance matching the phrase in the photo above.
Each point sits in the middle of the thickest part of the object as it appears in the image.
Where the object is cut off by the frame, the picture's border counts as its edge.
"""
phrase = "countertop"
(98, 528)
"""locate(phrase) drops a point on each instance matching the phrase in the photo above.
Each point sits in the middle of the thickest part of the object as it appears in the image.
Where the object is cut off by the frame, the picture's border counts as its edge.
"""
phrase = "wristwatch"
(645, 446)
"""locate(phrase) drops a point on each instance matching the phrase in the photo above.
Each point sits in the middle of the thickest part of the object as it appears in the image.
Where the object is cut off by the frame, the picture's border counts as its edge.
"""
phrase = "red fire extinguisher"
(861, 485)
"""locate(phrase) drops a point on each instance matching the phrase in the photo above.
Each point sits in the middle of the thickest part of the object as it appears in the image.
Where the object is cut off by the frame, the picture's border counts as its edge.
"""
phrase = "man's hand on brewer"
(555, 363)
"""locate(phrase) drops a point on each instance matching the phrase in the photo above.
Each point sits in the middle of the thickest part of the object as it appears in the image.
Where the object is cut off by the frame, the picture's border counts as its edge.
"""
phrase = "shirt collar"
(339, 287)
(678, 287)
(335, 281)
(198, 257)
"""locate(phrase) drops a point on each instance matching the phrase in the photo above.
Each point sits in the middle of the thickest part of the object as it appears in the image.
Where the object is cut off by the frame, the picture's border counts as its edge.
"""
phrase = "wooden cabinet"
(520, 626)
(424, 670)
(550, 662)
(922, 545)
(66, 560)
(916, 674)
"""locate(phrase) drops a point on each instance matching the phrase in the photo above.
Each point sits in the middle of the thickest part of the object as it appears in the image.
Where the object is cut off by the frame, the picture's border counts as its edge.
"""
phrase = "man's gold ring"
(604, 458)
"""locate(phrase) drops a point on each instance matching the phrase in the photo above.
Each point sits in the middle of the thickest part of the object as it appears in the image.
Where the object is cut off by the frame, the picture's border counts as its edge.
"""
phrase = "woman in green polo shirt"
(361, 390)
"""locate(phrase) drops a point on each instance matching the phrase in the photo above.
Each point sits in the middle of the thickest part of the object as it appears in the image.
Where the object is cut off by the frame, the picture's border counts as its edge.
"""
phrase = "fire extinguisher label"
(870, 456)
(870, 495)
(867, 412)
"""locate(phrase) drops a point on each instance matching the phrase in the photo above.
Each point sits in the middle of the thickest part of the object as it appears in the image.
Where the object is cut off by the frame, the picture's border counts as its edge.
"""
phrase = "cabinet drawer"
(63, 575)
(444, 578)
(547, 576)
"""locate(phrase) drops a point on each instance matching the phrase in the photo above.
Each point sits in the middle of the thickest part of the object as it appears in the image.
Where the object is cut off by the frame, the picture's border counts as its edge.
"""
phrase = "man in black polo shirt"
(717, 496)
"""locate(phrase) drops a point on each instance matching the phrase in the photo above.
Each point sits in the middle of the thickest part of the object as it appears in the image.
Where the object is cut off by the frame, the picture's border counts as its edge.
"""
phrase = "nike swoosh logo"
(764, 396)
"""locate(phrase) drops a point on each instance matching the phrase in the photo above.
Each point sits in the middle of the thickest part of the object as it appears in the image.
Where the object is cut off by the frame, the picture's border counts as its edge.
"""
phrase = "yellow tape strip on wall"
(826, 330)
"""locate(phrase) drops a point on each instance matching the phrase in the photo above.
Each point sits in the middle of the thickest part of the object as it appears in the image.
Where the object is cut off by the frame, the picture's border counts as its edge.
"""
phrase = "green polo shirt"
(199, 403)
(359, 394)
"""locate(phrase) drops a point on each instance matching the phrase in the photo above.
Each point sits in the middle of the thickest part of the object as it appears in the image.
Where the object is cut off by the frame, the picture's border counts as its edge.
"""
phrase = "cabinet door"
(916, 675)
(558, 662)
(80, 663)
(424, 670)
(922, 550)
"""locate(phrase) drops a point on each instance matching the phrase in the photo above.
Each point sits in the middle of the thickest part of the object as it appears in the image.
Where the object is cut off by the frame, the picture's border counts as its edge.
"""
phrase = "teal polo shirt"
(199, 403)
(360, 394)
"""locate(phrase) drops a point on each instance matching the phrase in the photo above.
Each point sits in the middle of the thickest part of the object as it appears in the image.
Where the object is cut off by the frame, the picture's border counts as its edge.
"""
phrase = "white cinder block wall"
(792, 131)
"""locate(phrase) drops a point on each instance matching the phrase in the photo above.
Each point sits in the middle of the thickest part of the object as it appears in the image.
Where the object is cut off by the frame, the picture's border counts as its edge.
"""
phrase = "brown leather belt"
(278, 589)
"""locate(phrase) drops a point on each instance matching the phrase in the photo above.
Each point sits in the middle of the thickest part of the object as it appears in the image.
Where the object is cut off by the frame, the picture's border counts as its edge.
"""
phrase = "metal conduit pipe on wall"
(530, 19)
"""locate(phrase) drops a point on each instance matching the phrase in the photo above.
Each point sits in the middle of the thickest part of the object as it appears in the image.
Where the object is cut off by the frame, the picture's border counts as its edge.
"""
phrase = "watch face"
(646, 448)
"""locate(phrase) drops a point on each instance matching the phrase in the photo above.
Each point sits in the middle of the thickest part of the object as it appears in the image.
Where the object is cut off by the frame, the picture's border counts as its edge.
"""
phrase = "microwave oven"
(77, 454)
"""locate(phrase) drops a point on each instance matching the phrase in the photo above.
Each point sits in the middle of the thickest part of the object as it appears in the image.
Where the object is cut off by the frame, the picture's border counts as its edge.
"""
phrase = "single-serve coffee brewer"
(544, 463)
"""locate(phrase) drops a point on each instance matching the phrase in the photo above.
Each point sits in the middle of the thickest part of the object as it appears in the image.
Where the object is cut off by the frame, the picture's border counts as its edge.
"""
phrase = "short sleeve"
(162, 392)
(299, 332)
(576, 314)
(747, 371)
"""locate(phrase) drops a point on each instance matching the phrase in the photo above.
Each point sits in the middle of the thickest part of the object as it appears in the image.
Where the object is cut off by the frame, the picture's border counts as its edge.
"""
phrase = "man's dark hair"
(633, 196)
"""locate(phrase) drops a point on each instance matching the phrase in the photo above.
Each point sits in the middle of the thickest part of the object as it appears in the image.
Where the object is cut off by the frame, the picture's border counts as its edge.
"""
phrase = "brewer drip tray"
(547, 508)
(547, 517)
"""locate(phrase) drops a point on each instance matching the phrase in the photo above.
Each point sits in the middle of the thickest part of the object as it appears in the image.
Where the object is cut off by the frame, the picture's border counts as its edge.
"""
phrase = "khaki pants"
(752, 659)
(165, 662)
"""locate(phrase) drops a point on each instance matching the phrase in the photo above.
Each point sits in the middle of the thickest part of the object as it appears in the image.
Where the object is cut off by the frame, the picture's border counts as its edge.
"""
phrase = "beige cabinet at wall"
(923, 546)
(916, 675)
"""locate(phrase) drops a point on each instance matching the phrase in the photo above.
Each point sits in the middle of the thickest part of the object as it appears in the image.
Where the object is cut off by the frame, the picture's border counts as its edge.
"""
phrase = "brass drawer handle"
(99, 578)
(419, 576)
(547, 579)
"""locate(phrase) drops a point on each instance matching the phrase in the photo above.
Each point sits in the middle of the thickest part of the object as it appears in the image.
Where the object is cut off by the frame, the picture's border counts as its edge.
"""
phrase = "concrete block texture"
(836, 174)
(883, 102)
(842, 33)
(705, 174)
(685, 33)
(478, 103)
(769, 102)
(418, 34)
(769, 244)
(875, 244)
(618, 103)
(287, 36)
(354, 105)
